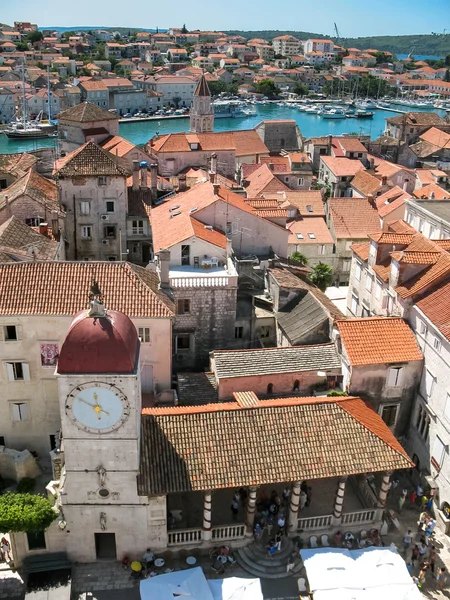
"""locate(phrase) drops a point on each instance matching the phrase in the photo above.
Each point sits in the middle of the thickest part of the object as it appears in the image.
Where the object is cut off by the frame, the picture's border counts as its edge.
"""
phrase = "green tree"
(220, 87)
(321, 276)
(447, 76)
(268, 88)
(21, 46)
(25, 512)
(447, 60)
(297, 258)
(117, 37)
(301, 89)
(35, 36)
(183, 29)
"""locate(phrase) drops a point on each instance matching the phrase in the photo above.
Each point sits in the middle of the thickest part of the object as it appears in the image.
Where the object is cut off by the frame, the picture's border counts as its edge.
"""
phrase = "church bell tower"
(202, 113)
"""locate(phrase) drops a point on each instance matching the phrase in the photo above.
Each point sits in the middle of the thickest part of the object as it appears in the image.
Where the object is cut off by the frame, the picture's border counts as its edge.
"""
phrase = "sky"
(354, 18)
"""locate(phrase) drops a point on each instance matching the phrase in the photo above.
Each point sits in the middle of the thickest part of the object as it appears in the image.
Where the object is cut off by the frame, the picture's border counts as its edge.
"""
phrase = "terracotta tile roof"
(436, 137)
(212, 236)
(444, 244)
(86, 113)
(391, 200)
(361, 250)
(383, 269)
(280, 164)
(33, 185)
(418, 119)
(426, 176)
(196, 388)
(353, 218)
(91, 160)
(431, 192)
(303, 199)
(426, 278)
(179, 142)
(401, 226)
(61, 288)
(117, 145)
(17, 164)
(350, 144)
(286, 279)
(268, 361)
(262, 203)
(378, 340)
(262, 180)
(315, 226)
(93, 85)
(342, 167)
(416, 258)
(247, 142)
(225, 445)
(386, 237)
(15, 235)
(274, 213)
(366, 183)
(436, 307)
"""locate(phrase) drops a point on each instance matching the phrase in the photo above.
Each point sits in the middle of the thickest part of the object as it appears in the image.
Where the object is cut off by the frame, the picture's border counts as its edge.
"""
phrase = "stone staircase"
(255, 561)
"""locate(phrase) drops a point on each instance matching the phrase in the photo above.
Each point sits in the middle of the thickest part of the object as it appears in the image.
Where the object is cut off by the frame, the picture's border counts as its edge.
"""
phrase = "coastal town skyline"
(401, 17)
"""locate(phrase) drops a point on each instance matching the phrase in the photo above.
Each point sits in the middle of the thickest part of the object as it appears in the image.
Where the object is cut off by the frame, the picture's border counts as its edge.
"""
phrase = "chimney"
(135, 175)
(164, 262)
(271, 166)
(8, 207)
(43, 229)
(216, 187)
(330, 143)
(383, 180)
(371, 200)
(182, 186)
(154, 181)
(371, 163)
(144, 166)
(55, 224)
(214, 163)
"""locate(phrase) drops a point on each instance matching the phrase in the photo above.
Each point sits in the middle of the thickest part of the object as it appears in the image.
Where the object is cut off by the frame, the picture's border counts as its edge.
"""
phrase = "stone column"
(251, 509)
(206, 533)
(382, 496)
(293, 507)
(339, 500)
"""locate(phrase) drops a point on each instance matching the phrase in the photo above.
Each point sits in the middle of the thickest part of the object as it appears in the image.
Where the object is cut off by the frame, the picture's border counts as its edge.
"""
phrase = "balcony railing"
(359, 516)
(228, 532)
(323, 522)
(184, 536)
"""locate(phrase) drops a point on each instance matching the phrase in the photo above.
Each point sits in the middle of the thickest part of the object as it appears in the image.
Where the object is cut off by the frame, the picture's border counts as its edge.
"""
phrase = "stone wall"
(17, 465)
(211, 324)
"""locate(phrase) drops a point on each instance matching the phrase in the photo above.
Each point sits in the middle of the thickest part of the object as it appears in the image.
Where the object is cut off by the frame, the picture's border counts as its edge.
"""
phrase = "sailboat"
(25, 129)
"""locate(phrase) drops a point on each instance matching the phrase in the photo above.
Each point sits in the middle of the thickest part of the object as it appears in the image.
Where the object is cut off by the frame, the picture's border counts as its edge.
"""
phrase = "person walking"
(412, 498)
(5, 549)
(441, 577)
(407, 539)
(415, 554)
(257, 533)
(303, 499)
(281, 521)
(401, 502)
(234, 509)
(291, 562)
(432, 556)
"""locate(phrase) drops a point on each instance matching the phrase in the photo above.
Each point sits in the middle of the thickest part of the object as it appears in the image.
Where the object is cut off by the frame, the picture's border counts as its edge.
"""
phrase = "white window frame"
(85, 207)
(358, 270)
(321, 249)
(422, 328)
(20, 411)
(447, 407)
(430, 380)
(144, 334)
(394, 377)
(86, 232)
(369, 282)
(437, 344)
(11, 370)
(397, 412)
(378, 289)
(4, 335)
(438, 453)
(355, 304)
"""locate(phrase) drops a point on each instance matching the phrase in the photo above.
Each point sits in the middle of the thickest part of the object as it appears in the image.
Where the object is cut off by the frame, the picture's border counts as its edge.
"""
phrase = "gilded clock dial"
(97, 407)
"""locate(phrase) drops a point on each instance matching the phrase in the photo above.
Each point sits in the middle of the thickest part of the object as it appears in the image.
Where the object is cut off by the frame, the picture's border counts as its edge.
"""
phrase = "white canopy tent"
(235, 588)
(193, 585)
(184, 585)
(366, 574)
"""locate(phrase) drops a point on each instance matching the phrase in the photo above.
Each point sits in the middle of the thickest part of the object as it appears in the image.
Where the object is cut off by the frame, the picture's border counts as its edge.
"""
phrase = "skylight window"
(299, 236)
(311, 236)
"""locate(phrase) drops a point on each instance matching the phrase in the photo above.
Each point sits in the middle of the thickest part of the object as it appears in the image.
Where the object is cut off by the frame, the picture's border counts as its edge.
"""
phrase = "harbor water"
(310, 125)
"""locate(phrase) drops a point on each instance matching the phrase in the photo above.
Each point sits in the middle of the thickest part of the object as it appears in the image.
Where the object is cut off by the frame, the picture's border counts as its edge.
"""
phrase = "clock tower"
(100, 403)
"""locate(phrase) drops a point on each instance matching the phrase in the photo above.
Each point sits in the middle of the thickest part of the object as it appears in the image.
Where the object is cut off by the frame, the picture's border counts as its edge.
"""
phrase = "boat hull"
(26, 135)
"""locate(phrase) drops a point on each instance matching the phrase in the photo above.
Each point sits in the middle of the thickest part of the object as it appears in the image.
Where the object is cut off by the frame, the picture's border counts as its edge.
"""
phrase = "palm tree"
(298, 258)
(321, 276)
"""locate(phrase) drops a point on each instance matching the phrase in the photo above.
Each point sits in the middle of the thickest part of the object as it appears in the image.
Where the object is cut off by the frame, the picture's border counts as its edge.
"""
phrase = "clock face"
(97, 407)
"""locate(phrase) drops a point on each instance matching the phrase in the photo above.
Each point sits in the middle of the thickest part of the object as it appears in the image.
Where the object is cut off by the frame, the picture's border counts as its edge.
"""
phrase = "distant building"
(201, 114)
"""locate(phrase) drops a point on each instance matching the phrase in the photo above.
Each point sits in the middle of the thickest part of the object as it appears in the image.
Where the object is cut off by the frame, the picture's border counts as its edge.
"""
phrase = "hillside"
(432, 44)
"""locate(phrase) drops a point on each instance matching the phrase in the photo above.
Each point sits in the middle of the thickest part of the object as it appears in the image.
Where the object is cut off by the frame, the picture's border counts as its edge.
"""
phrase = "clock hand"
(98, 409)
(88, 403)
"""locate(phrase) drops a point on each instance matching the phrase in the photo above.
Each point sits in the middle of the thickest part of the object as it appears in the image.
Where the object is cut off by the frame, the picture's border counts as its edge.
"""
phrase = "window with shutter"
(437, 456)
(447, 407)
(358, 271)
(395, 377)
(20, 411)
(429, 382)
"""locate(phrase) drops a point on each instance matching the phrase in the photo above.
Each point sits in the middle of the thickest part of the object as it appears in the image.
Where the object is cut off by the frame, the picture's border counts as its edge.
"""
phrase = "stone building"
(382, 362)
(85, 122)
(33, 326)
(280, 135)
(92, 186)
(14, 166)
(201, 114)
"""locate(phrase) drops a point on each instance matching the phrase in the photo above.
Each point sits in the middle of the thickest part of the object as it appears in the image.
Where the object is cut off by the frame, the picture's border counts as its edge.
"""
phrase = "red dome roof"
(105, 344)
